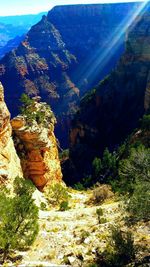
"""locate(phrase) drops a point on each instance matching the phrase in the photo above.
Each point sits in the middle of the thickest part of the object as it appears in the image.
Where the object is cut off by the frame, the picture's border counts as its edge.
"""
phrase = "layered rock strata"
(37, 147)
(9, 162)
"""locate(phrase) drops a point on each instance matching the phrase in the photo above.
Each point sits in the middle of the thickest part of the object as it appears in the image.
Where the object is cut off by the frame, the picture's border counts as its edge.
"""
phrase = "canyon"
(109, 113)
(56, 60)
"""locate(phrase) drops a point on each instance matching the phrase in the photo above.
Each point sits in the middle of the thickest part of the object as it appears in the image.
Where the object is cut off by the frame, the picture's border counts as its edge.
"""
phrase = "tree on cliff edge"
(18, 218)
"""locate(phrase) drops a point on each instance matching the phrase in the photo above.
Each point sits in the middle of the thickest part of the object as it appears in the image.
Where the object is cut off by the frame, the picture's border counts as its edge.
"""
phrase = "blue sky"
(14, 7)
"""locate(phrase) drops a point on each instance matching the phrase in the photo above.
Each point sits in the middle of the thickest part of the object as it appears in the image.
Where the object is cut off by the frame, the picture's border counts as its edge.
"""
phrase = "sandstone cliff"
(9, 162)
(109, 113)
(37, 146)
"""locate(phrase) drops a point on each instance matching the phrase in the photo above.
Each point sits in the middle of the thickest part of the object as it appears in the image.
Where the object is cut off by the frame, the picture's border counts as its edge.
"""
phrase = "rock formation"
(57, 56)
(37, 146)
(9, 162)
(109, 113)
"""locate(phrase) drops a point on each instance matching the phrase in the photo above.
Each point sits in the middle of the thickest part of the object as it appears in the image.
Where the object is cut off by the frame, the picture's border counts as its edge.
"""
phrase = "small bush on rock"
(101, 193)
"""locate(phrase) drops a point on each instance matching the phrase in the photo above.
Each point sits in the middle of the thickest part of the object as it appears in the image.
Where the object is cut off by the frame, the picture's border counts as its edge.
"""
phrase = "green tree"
(139, 204)
(109, 161)
(145, 122)
(135, 168)
(18, 217)
(27, 107)
(97, 167)
(120, 250)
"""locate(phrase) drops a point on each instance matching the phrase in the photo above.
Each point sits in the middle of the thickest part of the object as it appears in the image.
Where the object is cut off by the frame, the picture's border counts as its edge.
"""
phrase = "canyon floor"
(71, 238)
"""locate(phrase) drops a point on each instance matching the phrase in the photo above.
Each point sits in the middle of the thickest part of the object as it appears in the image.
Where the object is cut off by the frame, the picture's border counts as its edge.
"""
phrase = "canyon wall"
(63, 55)
(9, 162)
(109, 113)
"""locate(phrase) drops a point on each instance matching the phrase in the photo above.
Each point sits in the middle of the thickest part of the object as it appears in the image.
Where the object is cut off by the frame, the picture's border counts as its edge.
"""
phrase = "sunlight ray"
(96, 63)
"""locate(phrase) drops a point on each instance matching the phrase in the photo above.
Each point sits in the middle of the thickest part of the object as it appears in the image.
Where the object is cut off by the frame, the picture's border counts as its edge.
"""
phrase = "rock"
(37, 147)
(58, 53)
(9, 162)
(109, 113)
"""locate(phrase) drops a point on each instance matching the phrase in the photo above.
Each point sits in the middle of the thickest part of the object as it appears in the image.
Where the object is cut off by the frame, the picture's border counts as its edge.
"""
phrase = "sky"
(18, 7)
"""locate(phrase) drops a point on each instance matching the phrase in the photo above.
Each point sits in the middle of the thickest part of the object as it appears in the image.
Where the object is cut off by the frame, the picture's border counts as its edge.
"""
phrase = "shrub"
(97, 167)
(105, 167)
(64, 205)
(109, 161)
(84, 235)
(145, 122)
(101, 193)
(79, 186)
(119, 252)
(18, 218)
(64, 154)
(43, 206)
(135, 168)
(41, 113)
(100, 217)
(139, 203)
(57, 194)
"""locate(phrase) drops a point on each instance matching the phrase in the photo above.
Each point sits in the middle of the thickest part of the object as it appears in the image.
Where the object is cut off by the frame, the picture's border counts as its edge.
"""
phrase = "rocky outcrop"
(109, 113)
(37, 146)
(9, 162)
(62, 56)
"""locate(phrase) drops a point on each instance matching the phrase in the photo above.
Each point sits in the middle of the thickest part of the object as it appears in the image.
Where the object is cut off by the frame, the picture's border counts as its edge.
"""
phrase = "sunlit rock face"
(37, 148)
(9, 162)
(62, 56)
(109, 114)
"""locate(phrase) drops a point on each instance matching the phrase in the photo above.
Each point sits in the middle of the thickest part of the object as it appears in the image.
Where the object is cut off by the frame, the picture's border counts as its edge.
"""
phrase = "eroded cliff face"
(37, 147)
(109, 114)
(62, 56)
(9, 162)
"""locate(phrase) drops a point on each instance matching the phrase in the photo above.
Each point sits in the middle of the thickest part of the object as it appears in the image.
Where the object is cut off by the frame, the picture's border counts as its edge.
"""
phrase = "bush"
(105, 167)
(41, 113)
(64, 205)
(135, 168)
(97, 167)
(57, 194)
(79, 186)
(119, 252)
(145, 122)
(84, 235)
(19, 217)
(64, 154)
(100, 217)
(84, 184)
(139, 203)
(102, 193)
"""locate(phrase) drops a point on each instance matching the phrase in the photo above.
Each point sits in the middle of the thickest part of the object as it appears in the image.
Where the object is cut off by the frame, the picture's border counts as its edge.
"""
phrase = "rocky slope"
(37, 146)
(55, 55)
(9, 162)
(72, 237)
(109, 113)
